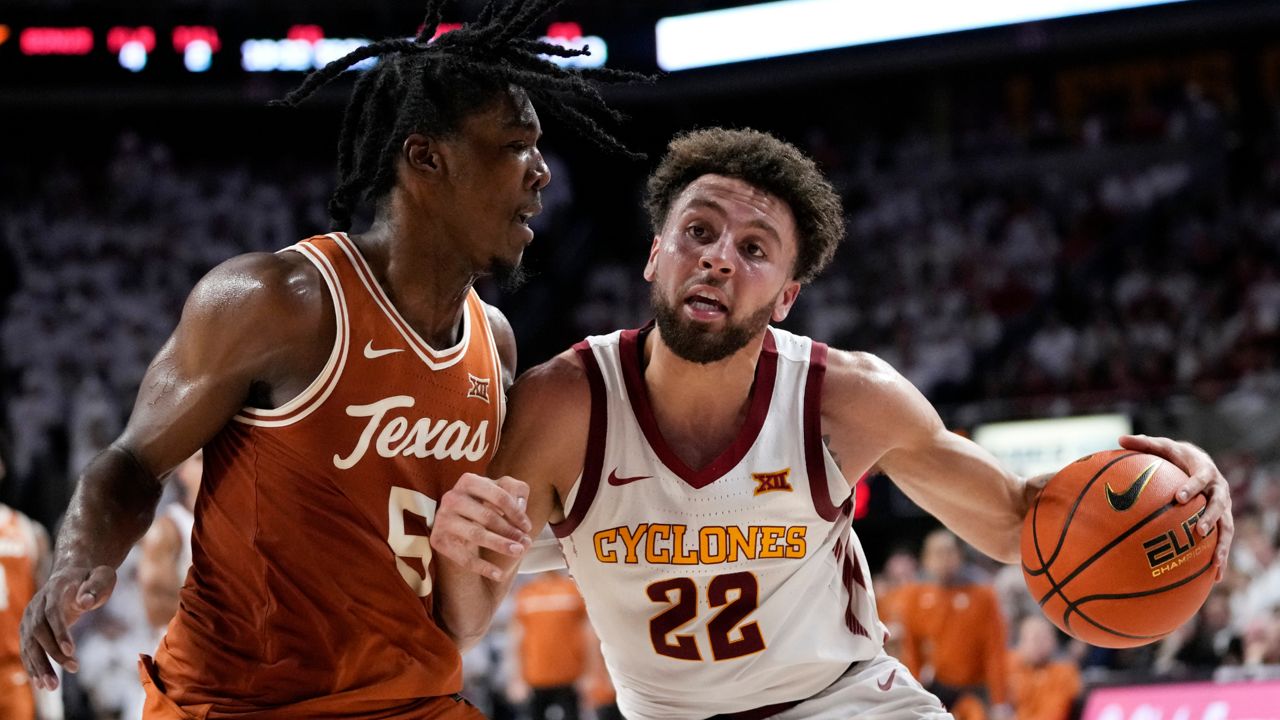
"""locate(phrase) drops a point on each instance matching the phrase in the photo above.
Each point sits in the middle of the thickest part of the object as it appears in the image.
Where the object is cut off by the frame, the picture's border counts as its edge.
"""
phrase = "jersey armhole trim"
(324, 383)
(593, 462)
(814, 452)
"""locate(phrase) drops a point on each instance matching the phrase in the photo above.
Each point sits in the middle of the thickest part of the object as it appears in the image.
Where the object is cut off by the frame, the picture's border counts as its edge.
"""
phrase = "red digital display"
(309, 33)
(56, 41)
(184, 35)
(564, 30)
(118, 37)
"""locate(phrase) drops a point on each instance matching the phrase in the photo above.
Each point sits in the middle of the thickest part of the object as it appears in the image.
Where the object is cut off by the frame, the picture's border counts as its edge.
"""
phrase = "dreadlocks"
(430, 86)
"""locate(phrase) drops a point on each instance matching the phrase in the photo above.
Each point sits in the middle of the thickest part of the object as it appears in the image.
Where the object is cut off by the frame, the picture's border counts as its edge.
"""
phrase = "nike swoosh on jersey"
(370, 353)
(620, 481)
(888, 682)
(1125, 500)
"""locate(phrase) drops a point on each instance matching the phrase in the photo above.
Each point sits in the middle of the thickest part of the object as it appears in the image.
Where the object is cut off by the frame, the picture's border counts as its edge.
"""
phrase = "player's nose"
(717, 257)
(539, 172)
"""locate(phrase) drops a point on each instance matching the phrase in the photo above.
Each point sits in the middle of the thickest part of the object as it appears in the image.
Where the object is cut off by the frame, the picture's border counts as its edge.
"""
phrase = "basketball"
(1110, 555)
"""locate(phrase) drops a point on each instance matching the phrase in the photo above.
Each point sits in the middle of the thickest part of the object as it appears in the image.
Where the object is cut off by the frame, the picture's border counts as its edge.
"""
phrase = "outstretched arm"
(875, 417)
(198, 381)
(481, 521)
(867, 404)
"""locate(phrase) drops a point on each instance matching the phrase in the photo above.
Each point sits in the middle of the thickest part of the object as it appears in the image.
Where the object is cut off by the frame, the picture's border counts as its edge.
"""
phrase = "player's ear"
(651, 266)
(787, 298)
(422, 153)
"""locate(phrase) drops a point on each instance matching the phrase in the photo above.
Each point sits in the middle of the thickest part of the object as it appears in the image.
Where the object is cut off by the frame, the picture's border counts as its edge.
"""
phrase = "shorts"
(877, 689)
(161, 707)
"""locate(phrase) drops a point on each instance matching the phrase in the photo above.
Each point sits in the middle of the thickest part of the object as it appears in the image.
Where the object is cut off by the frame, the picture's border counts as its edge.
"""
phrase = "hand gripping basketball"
(481, 513)
(1113, 553)
(46, 623)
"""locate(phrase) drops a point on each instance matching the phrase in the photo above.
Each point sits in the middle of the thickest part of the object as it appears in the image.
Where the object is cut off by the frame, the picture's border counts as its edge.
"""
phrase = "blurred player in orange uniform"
(1041, 687)
(24, 565)
(954, 632)
(550, 624)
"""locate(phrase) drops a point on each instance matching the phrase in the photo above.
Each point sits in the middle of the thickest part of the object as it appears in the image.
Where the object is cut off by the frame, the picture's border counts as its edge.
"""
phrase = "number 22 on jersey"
(682, 596)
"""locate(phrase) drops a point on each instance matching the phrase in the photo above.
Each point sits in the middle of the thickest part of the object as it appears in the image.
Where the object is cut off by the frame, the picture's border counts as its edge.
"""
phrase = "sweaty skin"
(258, 329)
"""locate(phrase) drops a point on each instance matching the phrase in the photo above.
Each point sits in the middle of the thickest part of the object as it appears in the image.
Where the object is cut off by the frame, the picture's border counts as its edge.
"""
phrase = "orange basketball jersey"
(17, 586)
(310, 589)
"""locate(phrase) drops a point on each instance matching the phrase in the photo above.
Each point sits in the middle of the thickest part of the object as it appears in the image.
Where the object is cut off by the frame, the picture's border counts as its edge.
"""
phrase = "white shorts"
(880, 688)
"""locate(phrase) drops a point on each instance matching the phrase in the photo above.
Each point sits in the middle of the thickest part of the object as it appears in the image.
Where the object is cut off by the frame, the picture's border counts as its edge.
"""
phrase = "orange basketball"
(1111, 556)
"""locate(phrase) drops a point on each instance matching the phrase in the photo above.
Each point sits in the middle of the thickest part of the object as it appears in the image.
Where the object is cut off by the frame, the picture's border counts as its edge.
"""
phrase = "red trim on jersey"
(593, 463)
(815, 457)
(850, 575)
(760, 713)
(631, 354)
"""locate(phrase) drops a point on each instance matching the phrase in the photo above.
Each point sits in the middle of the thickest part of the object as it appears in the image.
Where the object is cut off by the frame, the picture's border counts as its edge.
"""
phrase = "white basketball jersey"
(728, 588)
(184, 521)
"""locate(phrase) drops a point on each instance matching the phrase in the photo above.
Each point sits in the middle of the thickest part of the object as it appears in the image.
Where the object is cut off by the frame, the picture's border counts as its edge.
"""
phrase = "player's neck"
(425, 280)
(706, 403)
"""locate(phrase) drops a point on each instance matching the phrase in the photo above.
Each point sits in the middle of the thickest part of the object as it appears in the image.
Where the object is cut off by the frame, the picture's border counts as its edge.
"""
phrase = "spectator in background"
(954, 633)
(1206, 642)
(550, 635)
(24, 565)
(1041, 686)
(901, 571)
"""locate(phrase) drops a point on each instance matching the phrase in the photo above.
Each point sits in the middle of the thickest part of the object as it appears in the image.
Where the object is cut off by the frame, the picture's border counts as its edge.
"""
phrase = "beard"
(510, 276)
(699, 344)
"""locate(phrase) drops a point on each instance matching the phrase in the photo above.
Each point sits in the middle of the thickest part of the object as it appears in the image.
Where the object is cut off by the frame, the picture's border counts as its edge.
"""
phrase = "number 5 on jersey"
(720, 629)
(403, 545)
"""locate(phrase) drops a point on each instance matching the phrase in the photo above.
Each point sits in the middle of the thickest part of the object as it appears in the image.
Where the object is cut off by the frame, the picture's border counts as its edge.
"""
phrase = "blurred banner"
(1192, 701)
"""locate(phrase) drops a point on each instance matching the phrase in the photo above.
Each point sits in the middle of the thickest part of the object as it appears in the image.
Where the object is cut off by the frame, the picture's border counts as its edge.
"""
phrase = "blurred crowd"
(1012, 265)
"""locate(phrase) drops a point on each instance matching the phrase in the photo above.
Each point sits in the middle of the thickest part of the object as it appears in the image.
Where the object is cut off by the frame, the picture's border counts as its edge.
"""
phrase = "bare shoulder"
(855, 373)
(505, 340)
(283, 284)
(549, 415)
(558, 386)
(265, 311)
(862, 390)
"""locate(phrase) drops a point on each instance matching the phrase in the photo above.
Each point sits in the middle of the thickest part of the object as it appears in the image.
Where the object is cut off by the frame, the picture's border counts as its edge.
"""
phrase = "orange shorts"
(16, 700)
(159, 706)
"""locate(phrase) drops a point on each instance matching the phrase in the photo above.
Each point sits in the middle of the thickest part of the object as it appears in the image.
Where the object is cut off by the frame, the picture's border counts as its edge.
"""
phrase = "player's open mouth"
(527, 213)
(705, 305)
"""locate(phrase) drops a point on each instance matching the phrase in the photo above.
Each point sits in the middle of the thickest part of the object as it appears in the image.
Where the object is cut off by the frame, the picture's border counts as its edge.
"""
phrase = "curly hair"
(430, 84)
(765, 162)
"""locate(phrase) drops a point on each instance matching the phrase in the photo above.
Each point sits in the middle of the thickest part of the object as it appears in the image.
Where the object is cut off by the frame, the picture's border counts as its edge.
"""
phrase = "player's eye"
(698, 232)
(755, 250)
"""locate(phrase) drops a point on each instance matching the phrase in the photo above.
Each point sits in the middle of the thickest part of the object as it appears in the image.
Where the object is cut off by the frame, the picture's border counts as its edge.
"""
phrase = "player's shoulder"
(284, 289)
(277, 278)
(560, 381)
(853, 371)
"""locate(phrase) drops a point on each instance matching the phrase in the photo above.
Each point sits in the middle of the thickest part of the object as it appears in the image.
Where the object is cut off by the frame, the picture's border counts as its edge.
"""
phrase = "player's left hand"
(1204, 477)
(478, 514)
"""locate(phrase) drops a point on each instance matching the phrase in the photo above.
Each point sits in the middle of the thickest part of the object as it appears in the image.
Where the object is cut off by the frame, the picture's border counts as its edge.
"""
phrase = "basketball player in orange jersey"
(24, 565)
(339, 388)
(699, 473)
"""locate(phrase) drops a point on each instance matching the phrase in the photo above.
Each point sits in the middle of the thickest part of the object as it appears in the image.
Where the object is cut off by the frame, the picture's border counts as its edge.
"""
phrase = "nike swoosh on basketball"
(370, 353)
(888, 682)
(1125, 500)
(620, 481)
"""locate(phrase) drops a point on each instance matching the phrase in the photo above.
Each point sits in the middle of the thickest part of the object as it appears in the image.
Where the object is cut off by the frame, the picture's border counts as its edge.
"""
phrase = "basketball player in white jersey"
(166, 548)
(699, 473)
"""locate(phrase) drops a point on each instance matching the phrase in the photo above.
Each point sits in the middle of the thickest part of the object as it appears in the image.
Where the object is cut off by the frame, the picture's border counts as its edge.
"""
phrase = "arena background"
(1047, 219)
